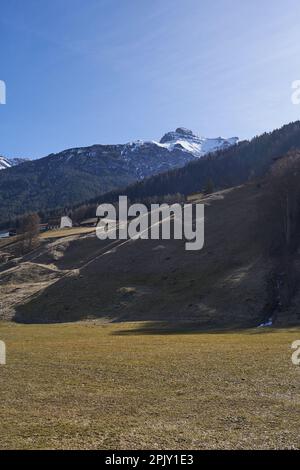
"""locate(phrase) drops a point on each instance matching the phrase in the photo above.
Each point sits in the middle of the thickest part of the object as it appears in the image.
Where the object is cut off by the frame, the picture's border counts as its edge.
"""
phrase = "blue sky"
(80, 72)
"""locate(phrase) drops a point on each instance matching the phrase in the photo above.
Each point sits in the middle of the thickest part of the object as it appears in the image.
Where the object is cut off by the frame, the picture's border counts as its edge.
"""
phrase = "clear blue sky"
(80, 72)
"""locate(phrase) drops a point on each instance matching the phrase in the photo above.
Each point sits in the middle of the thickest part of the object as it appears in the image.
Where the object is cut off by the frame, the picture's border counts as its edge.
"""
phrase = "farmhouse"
(54, 223)
(66, 222)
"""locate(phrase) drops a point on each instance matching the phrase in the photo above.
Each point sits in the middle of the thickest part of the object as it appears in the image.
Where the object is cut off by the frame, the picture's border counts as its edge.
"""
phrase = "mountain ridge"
(78, 174)
(229, 167)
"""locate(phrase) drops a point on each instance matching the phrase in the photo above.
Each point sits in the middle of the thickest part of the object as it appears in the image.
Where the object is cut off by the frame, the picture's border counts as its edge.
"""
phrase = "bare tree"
(29, 229)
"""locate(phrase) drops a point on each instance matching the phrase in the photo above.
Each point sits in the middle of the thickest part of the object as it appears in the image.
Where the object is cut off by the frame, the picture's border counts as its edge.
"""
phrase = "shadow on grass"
(178, 328)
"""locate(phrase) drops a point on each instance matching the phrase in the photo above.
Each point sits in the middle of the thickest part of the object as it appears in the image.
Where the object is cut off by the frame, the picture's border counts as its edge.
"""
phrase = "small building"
(53, 223)
(66, 222)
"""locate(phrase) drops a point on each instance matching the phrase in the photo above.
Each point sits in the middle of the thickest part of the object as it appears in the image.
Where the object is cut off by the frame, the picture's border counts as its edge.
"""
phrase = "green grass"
(93, 386)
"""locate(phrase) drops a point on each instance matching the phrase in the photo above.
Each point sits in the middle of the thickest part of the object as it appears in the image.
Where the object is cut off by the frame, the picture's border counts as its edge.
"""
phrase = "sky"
(81, 72)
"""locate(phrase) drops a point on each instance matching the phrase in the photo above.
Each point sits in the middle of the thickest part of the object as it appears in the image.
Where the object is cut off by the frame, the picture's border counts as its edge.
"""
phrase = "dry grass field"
(91, 385)
(66, 232)
(4, 242)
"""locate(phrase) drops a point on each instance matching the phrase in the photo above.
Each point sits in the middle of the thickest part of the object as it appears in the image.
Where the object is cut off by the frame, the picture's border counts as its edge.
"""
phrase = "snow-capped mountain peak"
(181, 133)
(198, 146)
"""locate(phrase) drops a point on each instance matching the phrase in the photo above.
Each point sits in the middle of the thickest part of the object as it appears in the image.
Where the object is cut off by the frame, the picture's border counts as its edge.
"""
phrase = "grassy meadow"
(131, 386)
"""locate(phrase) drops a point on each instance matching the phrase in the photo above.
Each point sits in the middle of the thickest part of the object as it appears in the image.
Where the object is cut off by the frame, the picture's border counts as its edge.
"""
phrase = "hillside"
(75, 175)
(223, 286)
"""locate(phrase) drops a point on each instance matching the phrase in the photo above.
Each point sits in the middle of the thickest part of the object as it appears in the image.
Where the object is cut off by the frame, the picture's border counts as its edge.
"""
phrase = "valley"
(149, 230)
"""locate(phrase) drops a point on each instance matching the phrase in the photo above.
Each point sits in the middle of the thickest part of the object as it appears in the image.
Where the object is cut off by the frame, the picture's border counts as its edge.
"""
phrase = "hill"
(225, 285)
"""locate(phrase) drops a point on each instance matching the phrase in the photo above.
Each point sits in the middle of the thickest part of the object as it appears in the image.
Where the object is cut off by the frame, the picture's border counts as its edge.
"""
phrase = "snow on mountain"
(182, 140)
(198, 146)
(175, 149)
(144, 158)
(4, 163)
(9, 162)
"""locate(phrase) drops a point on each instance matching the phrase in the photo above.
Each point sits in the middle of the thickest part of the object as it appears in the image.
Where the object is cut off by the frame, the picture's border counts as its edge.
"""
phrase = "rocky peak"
(181, 133)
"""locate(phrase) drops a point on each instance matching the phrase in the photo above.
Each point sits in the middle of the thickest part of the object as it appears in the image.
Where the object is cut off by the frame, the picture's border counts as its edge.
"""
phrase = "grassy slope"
(222, 285)
(96, 386)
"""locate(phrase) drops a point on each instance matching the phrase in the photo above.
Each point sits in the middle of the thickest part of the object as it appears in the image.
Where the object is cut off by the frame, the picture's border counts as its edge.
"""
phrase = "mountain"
(227, 167)
(10, 162)
(175, 149)
(198, 146)
(75, 175)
